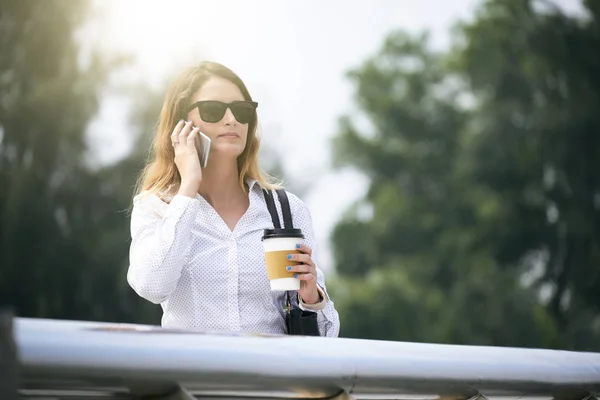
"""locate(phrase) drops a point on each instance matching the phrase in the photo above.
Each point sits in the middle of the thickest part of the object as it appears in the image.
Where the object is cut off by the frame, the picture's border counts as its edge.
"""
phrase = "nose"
(229, 118)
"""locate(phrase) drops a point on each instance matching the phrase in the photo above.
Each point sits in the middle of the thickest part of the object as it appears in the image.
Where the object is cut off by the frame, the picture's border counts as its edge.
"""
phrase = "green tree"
(539, 99)
(60, 230)
(471, 156)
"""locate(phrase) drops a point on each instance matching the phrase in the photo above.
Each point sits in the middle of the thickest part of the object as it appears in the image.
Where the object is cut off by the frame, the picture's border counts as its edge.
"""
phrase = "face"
(228, 135)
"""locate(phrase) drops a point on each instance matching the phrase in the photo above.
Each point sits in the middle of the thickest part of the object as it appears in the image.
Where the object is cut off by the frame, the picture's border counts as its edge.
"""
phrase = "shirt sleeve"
(161, 240)
(327, 316)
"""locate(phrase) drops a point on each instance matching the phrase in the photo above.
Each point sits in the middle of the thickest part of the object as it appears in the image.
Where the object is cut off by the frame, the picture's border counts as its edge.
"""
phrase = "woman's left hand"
(306, 272)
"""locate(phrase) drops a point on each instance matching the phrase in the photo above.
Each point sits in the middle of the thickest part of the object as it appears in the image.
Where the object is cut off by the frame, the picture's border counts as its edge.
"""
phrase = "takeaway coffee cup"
(278, 243)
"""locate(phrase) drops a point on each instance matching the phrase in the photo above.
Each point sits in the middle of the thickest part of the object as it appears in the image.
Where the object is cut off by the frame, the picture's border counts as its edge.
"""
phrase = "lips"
(229, 135)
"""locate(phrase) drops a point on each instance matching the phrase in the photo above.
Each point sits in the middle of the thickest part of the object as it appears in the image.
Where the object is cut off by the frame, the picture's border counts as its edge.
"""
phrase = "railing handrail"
(61, 351)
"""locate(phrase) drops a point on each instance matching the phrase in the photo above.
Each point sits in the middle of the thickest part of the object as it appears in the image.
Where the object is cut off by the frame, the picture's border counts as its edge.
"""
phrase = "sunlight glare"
(162, 35)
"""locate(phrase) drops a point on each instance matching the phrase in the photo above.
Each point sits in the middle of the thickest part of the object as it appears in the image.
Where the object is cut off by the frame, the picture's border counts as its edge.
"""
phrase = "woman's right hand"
(187, 160)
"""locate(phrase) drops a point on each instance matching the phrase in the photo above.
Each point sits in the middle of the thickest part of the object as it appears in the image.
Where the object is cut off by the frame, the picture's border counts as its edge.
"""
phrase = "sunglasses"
(214, 111)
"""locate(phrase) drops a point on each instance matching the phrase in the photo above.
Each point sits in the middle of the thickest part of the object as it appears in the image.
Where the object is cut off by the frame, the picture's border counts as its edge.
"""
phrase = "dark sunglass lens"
(212, 111)
(243, 112)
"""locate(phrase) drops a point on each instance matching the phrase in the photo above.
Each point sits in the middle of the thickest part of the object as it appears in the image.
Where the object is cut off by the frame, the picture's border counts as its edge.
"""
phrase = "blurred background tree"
(482, 221)
(480, 226)
(64, 235)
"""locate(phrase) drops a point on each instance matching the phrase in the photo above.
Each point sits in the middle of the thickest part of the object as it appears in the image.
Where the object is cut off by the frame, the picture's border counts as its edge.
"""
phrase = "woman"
(196, 232)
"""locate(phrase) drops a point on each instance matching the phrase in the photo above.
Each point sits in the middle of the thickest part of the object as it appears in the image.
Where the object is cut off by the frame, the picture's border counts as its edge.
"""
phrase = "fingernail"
(295, 275)
(289, 268)
(289, 256)
(297, 246)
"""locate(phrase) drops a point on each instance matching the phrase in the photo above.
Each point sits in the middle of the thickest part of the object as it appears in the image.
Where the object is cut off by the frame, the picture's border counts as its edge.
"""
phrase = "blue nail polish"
(289, 257)
(297, 246)
(295, 275)
(289, 268)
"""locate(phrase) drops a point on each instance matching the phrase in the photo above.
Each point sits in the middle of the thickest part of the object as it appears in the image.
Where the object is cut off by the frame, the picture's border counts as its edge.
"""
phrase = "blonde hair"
(160, 176)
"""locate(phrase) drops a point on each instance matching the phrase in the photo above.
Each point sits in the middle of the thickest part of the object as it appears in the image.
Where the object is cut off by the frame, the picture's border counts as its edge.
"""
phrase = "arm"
(159, 244)
(327, 315)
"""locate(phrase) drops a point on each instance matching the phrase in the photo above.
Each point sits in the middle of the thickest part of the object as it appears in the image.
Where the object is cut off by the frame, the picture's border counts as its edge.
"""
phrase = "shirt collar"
(251, 182)
(168, 193)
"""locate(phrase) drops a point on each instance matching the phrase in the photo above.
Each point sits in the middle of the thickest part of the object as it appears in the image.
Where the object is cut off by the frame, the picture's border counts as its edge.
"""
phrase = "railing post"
(8, 358)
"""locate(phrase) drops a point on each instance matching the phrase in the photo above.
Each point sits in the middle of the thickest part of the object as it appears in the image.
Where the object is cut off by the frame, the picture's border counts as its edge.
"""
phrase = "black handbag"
(297, 321)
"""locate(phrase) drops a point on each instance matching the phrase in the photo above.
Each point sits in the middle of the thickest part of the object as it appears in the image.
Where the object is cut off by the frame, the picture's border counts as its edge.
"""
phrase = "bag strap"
(285, 209)
(272, 209)
(288, 224)
(287, 220)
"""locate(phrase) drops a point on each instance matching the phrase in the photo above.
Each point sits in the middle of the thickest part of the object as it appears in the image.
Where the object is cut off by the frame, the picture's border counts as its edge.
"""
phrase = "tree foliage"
(484, 186)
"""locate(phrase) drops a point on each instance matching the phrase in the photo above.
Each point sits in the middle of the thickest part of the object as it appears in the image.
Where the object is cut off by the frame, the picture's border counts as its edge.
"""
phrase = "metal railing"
(74, 359)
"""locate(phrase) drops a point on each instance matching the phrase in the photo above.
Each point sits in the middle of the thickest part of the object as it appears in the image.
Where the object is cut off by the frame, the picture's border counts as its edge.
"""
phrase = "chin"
(228, 150)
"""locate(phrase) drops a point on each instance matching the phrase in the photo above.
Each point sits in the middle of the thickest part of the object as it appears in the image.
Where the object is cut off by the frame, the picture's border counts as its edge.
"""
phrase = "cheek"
(208, 128)
(244, 132)
(194, 117)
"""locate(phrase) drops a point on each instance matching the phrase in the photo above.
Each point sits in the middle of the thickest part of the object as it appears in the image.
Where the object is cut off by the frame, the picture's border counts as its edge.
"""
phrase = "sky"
(292, 55)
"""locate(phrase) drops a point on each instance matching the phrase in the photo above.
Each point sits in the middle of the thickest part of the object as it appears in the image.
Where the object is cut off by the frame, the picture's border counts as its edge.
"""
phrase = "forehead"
(216, 88)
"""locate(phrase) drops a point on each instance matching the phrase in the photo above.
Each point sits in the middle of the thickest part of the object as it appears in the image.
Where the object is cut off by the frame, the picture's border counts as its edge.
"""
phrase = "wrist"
(189, 189)
(313, 298)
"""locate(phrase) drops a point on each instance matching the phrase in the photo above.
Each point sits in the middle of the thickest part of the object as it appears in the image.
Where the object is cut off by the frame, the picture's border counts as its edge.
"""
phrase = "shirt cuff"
(178, 205)
(317, 306)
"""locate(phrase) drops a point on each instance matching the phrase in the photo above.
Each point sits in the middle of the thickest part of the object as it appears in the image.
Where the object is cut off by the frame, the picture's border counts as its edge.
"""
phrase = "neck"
(220, 182)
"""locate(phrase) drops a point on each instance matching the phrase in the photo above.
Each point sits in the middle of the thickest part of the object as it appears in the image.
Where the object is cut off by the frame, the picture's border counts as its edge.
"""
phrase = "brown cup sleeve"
(277, 262)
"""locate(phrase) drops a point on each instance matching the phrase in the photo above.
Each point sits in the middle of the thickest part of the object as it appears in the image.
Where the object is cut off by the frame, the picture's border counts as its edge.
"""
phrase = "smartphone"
(203, 147)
